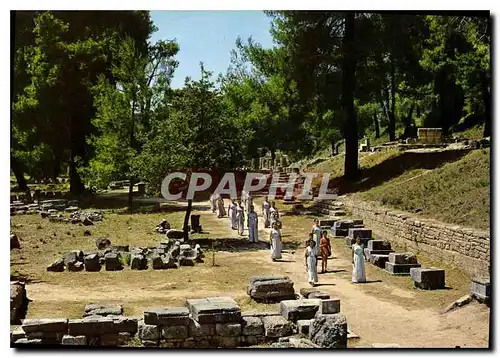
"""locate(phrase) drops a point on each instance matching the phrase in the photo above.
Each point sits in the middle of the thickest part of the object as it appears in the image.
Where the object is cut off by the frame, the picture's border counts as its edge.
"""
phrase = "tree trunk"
(407, 123)
(487, 105)
(392, 112)
(130, 192)
(75, 182)
(186, 220)
(351, 171)
(19, 173)
(334, 152)
(377, 127)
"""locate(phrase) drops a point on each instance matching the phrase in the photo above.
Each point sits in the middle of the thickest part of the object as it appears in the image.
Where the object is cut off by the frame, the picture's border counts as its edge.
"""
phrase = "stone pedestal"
(428, 278)
(379, 260)
(481, 289)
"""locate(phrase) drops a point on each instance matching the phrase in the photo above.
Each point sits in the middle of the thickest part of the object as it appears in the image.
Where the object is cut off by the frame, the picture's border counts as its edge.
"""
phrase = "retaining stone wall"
(466, 248)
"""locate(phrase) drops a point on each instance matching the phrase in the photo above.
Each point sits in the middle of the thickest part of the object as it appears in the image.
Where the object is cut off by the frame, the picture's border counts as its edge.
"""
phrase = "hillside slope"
(451, 186)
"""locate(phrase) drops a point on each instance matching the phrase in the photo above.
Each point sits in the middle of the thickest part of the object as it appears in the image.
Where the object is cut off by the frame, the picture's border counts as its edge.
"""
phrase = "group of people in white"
(318, 245)
(236, 214)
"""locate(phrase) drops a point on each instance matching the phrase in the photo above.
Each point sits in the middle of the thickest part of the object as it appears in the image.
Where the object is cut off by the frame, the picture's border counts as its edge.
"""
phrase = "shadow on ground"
(237, 245)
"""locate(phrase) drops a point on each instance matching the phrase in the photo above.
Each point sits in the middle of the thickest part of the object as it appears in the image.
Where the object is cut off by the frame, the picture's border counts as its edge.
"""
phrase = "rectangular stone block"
(327, 223)
(379, 260)
(252, 340)
(402, 258)
(330, 306)
(428, 278)
(399, 269)
(171, 316)
(124, 324)
(276, 326)
(481, 289)
(303, 326)
(252, 326)
(228, 329)
(360, 232)
(174, 332)
(340, 232)
(91, 327)
(294, 310)
(74, 341)
(319, 295)
(306, 291)
(196, 329)
(378, 245)
(271, 288)
(228, 342)
(45, 325)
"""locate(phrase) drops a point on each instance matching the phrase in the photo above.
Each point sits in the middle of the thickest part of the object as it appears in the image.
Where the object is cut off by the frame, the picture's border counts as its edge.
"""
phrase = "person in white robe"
(316, 235)
(266, 212)
(253, 225)
(244, 197)
(233, 223)
(240, 218)
(221, 210)
(358, 262)
(274, 214)
(311, 263)
(249, 202)
(275, 238)
(213, 202)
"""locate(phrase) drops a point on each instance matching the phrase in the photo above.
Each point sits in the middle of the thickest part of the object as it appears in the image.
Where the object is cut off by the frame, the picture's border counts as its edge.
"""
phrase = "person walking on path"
(275, 238)
(232, 215)
(221, 210)
(253, 225)
(266, 212)
(325, 250)
(316, 230)
(240, 218)
(358, 262)
(311, 264)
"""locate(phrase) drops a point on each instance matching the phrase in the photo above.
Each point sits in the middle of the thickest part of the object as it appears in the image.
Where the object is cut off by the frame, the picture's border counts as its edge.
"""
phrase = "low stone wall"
(202, 323)
(466, 248)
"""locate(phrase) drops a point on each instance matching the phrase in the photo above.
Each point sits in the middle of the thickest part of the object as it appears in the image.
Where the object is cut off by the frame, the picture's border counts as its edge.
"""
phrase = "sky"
(208, 36)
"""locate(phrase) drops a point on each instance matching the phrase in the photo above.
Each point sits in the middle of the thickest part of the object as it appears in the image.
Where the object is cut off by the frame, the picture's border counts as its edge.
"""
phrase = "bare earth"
(384, 310)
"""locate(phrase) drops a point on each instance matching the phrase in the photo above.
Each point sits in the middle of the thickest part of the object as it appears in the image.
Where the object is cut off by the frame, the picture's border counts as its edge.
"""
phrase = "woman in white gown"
(275, 243)
(233, 223)
(253, 225)
(316, 235)
(266, 212)
(311, 263)
(274, 214)
(358, 262)
(213, 203)
(240, 218)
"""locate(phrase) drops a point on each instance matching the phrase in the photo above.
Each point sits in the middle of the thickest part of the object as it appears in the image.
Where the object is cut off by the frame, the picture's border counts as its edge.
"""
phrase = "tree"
(124, 109)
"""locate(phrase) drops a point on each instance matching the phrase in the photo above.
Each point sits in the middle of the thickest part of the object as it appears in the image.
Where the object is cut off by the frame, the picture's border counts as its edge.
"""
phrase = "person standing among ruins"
(233, 224)
(249, 202)
(266, 207)
(316, 231)
(253, 225)
(240, 218)
(221, 210)
(213, 202)
(358, 262)
(274, 213)
(275, 238)
(325, 250)
(311, 264)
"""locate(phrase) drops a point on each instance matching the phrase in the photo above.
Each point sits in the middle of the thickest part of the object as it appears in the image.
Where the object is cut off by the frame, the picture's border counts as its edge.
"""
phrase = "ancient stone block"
(185, 261)
(14, 242)
(157, 262)
(327, 223)
(92, 263)
(56, 266)
(110, 339)
(18, 302)
(306, 291)
(330, 306)
(196, 329)
(214, 310)
(319, 295)
(171, 316)
(147, 332)
(102, 309)
(272, 288)
(378, 245)
(74, 341)
(174, 332)
(175, 234)
(228, 342)
(399, 269)
(294, 310)
(303, 326)
(252, 326)
(112, 262)
(45, 325)
(481, 289)
(252, 340)
(276, 326)
(329, 331)
(150, 343)
(228, 329)
(428, 278)
(90, 327)
(379, 260)
(354, 233)
(406, 258)
(124, 324)
(138, 262)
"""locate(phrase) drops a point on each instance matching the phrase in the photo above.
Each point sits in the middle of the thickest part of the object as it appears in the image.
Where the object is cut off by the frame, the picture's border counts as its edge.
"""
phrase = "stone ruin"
(214, 322)
(168, 254)
(18, 302)
(45, 206)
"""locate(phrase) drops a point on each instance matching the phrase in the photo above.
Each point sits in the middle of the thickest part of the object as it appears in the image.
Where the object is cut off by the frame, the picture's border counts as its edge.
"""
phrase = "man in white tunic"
(240, 218)
(275, 243)
(221, 210)
(253, 225)
(233, 224)
(266, 212)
